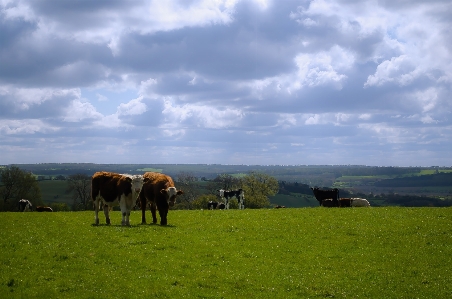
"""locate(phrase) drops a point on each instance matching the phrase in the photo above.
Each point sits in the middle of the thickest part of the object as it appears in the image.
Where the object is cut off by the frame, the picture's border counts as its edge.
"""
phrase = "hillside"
(406, 186)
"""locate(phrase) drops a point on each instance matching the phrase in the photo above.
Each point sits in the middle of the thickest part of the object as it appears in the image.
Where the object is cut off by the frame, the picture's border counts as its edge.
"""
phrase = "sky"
(254, 82)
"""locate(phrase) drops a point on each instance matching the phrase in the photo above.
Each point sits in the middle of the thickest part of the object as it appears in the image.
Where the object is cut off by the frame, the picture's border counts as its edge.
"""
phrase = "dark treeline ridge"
(212, 170)
(439, 179)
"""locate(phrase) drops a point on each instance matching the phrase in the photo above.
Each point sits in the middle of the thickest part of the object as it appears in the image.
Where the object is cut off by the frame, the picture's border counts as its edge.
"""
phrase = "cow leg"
(154, 212)
(163, 212)
(107, 213)
(122, 205)
(96, 204)
(143, 209)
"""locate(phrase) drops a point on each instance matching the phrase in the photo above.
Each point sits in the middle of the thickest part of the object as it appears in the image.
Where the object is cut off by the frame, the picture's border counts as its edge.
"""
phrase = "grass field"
(271, 253)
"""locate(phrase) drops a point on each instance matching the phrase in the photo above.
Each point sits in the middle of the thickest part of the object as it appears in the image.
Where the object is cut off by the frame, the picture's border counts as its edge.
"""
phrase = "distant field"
(267, 253)
(55, 191)
(149, 169)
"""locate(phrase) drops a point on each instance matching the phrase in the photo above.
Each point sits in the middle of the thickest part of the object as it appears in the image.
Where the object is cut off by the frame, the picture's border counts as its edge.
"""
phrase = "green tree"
(187, 182)
(17, 184)
(258, 187)
(80, 186)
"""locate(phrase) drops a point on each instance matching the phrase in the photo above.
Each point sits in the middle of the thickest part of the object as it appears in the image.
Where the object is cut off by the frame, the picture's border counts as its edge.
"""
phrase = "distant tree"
(227, 181)
(186, 182)
(15, 185)
(79, 185)
(258, 187)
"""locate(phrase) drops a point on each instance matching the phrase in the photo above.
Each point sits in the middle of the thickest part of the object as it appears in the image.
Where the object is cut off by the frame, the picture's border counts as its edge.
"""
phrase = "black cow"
(43, 209)
(221, 206)
(212, 205)
(239, 194)
(321, 195)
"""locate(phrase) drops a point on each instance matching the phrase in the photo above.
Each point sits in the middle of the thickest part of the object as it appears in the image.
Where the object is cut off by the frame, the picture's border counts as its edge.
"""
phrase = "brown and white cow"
(159, 191)
(111, 189)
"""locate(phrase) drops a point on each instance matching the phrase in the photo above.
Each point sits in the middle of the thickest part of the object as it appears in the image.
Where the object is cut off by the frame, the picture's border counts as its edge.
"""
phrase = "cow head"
(171, 194)
(137, 181)
(221, 192)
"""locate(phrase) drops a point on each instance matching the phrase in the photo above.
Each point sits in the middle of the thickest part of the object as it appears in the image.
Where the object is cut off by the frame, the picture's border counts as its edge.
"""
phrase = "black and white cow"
(25, 205)
(212, 205)
(238, 194)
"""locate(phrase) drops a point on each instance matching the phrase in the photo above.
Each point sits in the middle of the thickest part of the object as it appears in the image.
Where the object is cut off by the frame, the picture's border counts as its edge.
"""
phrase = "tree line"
(16, 184)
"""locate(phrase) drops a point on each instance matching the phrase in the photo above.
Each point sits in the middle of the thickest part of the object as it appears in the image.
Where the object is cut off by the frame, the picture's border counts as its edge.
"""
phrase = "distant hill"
(432, 180)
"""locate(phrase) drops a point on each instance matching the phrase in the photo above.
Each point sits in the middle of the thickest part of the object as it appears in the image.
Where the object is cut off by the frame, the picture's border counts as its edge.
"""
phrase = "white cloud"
(78, 111)
(134, 107)
(25, 127)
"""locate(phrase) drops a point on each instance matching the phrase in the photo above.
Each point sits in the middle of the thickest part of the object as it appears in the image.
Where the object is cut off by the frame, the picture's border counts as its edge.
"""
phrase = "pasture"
(270, 253)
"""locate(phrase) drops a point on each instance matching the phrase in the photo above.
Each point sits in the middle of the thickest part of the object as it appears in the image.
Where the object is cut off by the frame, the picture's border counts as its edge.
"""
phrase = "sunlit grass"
(275, 253)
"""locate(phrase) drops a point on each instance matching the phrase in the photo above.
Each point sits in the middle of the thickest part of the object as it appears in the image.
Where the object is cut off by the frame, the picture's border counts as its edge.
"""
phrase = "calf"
(239, 194)
(159, 191)
(325, 194)
(212, 205)
(25, 205)
(43, 209)
(110, 189)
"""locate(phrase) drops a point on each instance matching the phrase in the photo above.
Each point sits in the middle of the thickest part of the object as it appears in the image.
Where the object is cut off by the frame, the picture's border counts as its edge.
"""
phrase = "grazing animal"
(221, 206)
(359, 202)
(43, 209)
(110, 189)
(329, 203)
(279, 207)
(325, 194)
(239, 194)
(25, 205)
(159, 191)
(212, 205)
(345, 202)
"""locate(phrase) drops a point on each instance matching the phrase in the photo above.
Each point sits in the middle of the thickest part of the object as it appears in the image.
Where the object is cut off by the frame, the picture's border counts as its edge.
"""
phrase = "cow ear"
(180, 192)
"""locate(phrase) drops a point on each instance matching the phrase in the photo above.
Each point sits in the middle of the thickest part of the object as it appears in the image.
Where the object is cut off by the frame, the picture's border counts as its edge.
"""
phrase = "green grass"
(274, 253)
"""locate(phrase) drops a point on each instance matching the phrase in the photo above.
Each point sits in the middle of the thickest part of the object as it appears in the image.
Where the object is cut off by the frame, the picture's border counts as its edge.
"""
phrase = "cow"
(212, 205)
(280, 207)
(325, 194)
(111, 189)
(359, 202)
(221, 206)
(239, 194)
(353, 202)
(25, 205)
(43, 209)
(329, 203)
(345, 202)
(159, 191)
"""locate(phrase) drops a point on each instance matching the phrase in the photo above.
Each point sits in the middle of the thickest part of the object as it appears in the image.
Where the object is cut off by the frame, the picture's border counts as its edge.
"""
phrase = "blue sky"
(226, 81)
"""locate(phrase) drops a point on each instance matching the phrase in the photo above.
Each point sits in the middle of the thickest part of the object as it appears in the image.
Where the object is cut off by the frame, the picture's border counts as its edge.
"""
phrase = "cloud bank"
(227, 81)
